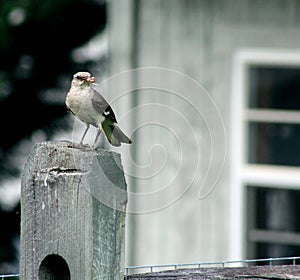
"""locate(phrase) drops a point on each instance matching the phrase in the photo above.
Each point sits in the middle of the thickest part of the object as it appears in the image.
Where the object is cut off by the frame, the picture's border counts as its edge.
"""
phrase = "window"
(272, 123)
(273, 114)
(273, 223)
(266, 154)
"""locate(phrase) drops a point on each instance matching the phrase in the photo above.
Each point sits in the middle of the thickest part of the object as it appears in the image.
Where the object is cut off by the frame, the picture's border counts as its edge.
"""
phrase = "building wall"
(180, 134)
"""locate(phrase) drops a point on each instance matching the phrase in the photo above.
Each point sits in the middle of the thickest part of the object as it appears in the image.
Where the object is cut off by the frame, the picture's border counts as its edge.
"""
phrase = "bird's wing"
(102, 106)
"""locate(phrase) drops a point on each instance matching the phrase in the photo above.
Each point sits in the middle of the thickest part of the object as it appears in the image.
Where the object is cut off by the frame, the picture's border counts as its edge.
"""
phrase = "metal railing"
(9, 277)
(160, 267)
(155, 268)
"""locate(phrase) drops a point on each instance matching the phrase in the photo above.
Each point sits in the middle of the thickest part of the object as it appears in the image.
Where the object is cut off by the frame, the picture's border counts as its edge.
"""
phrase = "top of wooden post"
(53, 159)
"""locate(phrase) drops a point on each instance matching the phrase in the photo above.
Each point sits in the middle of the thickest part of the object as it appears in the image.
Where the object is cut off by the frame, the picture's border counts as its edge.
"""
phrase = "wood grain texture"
(73, 202)
(241, 273)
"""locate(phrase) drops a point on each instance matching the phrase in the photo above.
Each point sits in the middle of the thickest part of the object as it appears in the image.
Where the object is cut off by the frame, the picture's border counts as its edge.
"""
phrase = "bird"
(89, 106)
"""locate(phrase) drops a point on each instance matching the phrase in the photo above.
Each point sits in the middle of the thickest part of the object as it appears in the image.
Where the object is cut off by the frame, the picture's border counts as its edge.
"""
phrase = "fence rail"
(9, 276)
(153, 268)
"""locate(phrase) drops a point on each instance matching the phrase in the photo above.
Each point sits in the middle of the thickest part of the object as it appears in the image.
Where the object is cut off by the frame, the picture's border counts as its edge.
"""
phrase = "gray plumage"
(91, 108)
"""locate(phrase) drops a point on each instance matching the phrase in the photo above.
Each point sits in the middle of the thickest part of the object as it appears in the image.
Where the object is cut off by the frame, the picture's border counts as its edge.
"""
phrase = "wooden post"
(73, 202)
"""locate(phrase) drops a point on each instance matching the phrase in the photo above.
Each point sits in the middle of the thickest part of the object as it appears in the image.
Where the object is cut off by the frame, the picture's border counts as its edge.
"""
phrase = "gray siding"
(198, 38)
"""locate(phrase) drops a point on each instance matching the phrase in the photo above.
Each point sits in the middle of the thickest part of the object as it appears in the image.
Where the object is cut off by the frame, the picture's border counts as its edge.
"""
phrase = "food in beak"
(91, 80)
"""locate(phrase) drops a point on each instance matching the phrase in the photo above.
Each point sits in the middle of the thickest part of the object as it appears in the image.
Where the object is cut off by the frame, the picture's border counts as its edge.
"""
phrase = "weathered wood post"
(73, 204)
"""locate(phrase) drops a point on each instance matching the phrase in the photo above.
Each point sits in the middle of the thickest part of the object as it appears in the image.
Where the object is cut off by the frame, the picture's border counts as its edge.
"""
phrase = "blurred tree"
(36, 41)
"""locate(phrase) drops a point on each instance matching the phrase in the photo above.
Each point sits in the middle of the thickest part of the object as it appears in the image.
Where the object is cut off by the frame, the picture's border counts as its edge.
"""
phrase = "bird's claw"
(94, 147)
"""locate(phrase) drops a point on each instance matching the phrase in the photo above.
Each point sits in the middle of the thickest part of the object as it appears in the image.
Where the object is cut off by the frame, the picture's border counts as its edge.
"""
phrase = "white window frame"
(243, 174)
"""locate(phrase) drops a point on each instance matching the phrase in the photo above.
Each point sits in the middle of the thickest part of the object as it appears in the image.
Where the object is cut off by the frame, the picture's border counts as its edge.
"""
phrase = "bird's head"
(83, 78)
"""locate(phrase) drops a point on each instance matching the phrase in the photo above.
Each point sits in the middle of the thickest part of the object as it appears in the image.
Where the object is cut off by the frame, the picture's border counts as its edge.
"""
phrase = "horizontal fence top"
(227, 273)
(234, 263)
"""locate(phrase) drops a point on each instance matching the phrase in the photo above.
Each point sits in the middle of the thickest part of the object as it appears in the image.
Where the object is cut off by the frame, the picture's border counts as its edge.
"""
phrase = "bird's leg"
(97, 138)
(87, 128)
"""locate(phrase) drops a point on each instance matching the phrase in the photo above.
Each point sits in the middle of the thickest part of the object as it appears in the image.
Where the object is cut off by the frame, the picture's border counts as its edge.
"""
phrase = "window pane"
(271, 143)
(273, 223)
(274, 87)
(276, 209)
(264, 250)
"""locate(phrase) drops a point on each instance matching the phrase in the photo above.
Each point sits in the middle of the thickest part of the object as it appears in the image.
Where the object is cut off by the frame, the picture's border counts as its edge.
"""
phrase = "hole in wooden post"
(54, 267)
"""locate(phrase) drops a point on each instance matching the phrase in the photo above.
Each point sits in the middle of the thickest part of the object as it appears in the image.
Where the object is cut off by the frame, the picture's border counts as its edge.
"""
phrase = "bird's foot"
(85, 146)
(79, 146)
(94, 147)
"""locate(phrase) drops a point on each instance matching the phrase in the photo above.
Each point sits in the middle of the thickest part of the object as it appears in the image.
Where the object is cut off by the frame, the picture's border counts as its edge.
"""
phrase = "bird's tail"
(114, 134)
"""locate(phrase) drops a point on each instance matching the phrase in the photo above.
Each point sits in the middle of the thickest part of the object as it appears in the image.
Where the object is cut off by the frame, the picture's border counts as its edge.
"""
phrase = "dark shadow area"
(54, 267)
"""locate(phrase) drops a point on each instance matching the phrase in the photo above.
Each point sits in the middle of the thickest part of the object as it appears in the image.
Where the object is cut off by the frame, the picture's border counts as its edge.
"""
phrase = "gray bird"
(91, 108)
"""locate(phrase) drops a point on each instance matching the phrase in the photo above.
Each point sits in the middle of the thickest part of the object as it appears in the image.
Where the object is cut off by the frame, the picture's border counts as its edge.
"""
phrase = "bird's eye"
(80, 78)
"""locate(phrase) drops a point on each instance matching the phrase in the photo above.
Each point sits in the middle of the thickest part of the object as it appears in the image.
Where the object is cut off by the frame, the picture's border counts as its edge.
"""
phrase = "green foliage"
(14, 13)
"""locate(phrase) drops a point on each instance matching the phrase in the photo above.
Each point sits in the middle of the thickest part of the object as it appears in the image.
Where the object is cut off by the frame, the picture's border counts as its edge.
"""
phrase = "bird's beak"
(91, 80)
